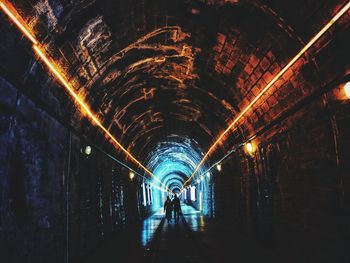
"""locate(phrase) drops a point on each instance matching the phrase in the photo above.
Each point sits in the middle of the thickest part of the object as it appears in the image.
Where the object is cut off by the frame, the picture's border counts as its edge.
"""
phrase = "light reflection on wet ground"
(149, 227)
(190, 239)
(193, 217)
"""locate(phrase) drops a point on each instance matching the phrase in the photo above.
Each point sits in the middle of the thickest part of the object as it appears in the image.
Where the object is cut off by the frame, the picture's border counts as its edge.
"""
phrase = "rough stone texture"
(294, 190)
(151, 69)
(165, 61)
(55, 201)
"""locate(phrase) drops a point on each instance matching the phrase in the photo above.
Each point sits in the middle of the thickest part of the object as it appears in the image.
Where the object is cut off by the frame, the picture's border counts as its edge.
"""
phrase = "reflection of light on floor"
(189, 210)
(160, 212)
(149, 227)
(194, 218)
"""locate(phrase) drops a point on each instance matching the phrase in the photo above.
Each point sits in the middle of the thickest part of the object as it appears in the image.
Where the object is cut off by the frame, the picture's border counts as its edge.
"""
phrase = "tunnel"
(174, 131)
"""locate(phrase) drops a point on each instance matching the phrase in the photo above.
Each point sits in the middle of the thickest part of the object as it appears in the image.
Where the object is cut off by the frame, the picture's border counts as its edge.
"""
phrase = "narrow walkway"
(194, 239)
(175, 242)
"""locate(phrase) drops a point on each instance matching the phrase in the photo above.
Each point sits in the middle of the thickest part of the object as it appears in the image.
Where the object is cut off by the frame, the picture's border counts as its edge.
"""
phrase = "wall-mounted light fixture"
(218, 167)
(347, 89)
(87, 150)
(131, 175)
(249, 147)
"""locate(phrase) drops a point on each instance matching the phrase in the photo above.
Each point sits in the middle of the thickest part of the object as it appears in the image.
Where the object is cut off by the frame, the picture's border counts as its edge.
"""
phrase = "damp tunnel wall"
(166, 78)
(52, 192)
(297, 164)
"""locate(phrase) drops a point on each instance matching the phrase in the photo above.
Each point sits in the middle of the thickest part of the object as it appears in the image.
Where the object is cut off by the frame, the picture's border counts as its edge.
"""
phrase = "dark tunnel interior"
(239, 107)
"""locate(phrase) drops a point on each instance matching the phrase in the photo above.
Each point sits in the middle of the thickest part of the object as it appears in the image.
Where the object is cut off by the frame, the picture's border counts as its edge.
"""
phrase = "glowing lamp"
(347, 89)
(131, 175)
(87, 150)
(208, 174)
(249, 147)
(218, 167)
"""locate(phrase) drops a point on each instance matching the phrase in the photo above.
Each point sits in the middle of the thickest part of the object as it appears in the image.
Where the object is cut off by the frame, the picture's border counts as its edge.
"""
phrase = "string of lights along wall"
(38, 48)
(313, 40)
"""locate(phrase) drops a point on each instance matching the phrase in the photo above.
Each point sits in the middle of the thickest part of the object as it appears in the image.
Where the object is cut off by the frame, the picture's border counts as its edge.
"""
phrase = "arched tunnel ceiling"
(154, 69)
(173, 160)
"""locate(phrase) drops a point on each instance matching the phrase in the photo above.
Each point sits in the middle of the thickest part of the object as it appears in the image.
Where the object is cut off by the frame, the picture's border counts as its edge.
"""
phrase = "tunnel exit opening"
(172, 162)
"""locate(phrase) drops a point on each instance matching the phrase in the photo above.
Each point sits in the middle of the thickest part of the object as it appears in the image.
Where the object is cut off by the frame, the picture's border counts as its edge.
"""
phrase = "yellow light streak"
(54, 69)
(16, 21)
(86, 110)
(278, 75)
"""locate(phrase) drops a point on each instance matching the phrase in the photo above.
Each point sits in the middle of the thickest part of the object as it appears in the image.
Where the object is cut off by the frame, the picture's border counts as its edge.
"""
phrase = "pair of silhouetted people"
(169, 206)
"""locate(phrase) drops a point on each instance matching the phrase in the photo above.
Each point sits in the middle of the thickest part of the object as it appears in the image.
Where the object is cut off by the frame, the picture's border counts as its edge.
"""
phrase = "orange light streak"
(83, 105)
(16, 21)
(294, 59)
(86, 110)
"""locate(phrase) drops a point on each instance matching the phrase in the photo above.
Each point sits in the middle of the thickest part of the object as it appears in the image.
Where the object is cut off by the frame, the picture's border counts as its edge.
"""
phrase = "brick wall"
(56, 202)
(292, 194)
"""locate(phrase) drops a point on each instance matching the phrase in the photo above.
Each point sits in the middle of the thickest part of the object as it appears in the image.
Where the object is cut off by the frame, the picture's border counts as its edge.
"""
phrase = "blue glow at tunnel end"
(173, 162)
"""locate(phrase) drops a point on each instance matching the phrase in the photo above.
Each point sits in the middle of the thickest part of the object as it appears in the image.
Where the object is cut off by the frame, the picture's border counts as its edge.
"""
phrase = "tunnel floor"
(194, 239)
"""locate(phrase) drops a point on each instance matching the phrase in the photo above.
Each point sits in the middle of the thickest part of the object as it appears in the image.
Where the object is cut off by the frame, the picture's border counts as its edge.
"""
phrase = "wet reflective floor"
(149, 227)
(175, 243)
(194, 239)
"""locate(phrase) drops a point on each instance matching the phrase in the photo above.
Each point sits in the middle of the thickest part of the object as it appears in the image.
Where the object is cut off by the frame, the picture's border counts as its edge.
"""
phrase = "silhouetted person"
(168, 207)
(177, 208)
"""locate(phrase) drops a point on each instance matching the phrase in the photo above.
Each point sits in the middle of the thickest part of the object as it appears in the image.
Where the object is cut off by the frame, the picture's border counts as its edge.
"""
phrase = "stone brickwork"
(56, 202)
(154, 69)
(292, 194)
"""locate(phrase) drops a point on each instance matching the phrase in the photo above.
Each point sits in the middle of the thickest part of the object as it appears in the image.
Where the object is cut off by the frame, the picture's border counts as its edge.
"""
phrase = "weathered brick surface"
(294, 190)
(55, 201)
(291, 196)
